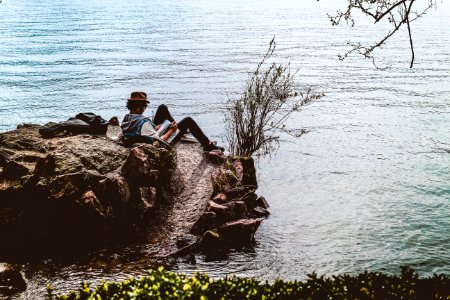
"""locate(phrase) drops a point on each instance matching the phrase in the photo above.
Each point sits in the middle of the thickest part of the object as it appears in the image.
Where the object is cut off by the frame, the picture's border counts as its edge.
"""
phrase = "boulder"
(244, 167)
(239, 232)
(89, 190)
(210, 241)
(261, 202)
(204, 223)
(138, 168)
(74, 191)
(222, 212)
(11, 281)
(240, 210)
(259, 212)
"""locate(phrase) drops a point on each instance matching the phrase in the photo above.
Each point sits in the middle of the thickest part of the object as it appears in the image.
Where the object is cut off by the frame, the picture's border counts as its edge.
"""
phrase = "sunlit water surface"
(368, 188)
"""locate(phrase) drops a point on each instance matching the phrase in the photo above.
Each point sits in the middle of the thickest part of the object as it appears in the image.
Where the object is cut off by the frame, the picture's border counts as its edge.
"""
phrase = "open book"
(185, 137)
(164, 127)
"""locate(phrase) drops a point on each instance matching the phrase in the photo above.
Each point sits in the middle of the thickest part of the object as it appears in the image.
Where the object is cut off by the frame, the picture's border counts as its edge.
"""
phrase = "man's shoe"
(211, 146)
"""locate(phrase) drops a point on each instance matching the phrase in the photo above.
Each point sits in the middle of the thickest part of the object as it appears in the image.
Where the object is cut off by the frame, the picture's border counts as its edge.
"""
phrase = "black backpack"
(89, 123)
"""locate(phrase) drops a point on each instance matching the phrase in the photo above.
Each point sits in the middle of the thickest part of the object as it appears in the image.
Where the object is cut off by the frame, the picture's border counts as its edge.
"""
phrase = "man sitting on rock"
(139, 128)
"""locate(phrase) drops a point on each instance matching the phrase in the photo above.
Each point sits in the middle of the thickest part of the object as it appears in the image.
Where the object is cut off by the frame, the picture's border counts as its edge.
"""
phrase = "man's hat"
(138, 96)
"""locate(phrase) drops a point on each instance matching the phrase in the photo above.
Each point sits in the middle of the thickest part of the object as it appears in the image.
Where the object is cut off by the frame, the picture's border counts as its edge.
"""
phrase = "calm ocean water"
(368, 188)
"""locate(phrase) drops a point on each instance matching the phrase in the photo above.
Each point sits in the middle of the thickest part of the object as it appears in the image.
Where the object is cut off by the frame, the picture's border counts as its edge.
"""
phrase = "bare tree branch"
(409, 32)
(397, 13)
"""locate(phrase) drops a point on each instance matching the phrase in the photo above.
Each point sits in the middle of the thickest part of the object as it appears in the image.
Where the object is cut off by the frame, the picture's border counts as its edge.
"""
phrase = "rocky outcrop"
(72, 193)
(233, 213)
(75, 192)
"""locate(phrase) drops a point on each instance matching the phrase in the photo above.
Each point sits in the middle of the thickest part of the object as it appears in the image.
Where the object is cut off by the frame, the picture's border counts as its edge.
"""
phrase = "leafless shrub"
(255, 120)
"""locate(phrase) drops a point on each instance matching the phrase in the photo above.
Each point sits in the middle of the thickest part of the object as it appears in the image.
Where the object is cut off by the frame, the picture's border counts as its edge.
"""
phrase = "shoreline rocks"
(233, 213)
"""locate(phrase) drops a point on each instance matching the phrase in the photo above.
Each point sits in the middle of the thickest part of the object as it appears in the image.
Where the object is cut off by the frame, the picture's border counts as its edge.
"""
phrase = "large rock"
(262, 202)
(11, 280)
(240, 231)
(204, 223)
(76, 190)
(221, 211)
(244, 168)
(210, 241)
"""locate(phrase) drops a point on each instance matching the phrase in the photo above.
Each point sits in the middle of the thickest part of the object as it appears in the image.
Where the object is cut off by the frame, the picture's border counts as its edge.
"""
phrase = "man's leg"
(162, 114)
(189, 124)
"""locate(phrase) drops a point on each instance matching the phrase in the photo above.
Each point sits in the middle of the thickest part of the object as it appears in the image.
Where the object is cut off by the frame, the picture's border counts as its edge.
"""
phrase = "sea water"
(368, 186)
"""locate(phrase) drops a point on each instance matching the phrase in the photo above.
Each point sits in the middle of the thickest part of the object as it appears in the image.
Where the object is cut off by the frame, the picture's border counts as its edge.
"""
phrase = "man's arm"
(169, 132)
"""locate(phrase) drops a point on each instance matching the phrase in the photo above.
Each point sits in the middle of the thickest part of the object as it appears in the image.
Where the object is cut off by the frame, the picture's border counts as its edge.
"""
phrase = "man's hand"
(174, 125)
(157, 127)
(169, 132)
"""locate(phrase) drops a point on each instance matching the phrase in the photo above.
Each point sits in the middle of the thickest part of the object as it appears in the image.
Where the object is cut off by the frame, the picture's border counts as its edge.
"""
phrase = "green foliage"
(162, 284)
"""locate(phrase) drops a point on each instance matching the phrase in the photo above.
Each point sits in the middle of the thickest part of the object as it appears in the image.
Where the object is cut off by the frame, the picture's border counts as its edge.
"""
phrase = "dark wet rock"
(261, 202)
(240, 210)
(205, 222)
(11, 280)
(259, 212)
(240, 231)
(210, 241)
(222, 212)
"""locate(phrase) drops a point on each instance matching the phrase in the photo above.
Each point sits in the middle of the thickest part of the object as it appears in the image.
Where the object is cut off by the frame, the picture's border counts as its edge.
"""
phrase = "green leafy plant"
(162, 284)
